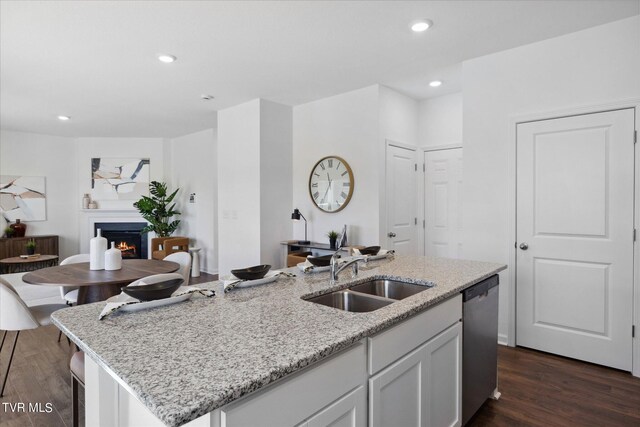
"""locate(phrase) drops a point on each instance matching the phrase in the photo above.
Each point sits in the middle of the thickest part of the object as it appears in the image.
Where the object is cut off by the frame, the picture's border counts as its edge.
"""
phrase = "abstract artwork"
(23, 197)
(119, 179)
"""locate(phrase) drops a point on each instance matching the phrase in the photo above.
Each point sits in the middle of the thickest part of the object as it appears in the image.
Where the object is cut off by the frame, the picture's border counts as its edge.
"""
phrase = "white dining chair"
(15, 315)
(184, 259)
(70, 293)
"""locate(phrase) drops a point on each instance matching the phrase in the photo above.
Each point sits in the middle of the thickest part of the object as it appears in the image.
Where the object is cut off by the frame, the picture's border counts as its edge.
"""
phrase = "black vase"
(30, 250)
(332, 242)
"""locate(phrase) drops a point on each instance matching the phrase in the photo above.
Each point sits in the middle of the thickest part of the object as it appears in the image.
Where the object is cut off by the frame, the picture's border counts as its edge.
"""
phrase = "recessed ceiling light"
(64, 118)
(167, 59)
(435, 83)
(421, 25)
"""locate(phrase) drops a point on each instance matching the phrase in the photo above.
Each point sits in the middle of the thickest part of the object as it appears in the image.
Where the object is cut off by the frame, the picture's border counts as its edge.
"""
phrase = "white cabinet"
(423, 388)
(294, 399)
(349, 411)
(443, 389)
(395, 394)
(411, 373)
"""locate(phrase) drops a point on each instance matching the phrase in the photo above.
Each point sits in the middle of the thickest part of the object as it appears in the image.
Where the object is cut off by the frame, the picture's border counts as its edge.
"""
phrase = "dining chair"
(15, 315)
(161, 247)
(76, 366)
(184, 259)
(70, 293)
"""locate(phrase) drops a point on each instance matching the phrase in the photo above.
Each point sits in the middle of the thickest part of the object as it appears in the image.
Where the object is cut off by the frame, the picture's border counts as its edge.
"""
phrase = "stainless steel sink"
(370, 295)
(390, 288)
(351, 301)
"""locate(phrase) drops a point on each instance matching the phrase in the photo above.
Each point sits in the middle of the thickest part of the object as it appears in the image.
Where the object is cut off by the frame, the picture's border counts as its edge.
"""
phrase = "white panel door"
(401, 172)
(575, 195)
(442, 203)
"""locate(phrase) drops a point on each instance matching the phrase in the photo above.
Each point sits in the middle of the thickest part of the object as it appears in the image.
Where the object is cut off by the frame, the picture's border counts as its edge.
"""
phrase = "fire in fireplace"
(128, 250)
(127, 237)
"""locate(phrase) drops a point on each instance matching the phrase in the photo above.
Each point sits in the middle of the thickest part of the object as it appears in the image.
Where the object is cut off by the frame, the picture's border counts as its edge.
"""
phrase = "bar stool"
(77, 378)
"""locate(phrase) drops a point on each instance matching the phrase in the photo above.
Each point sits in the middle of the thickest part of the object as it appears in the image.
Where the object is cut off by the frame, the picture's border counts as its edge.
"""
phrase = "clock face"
(331, 184)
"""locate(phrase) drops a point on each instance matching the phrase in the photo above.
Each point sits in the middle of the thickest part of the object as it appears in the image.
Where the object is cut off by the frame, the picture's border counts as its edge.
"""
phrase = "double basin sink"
(370, 295)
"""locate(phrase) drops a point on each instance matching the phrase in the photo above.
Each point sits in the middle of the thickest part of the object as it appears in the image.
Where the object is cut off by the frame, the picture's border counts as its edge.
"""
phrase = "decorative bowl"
(370, 250)
(153, 291)
(320, 261)
(251, 273)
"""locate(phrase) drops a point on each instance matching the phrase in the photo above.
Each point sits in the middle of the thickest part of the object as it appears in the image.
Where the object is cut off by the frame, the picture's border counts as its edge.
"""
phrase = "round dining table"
(98, 285)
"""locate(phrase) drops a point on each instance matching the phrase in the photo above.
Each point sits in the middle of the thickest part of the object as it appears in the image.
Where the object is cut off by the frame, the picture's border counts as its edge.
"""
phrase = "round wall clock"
(331, 184)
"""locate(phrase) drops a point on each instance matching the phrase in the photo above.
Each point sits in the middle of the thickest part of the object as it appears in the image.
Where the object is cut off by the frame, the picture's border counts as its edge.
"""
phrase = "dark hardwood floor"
(538, 389)
(541, 389)
(40, 376)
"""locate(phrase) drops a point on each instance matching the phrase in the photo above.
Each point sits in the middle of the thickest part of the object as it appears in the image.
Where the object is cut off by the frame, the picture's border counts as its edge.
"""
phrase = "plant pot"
(333, 243)
(31, 251)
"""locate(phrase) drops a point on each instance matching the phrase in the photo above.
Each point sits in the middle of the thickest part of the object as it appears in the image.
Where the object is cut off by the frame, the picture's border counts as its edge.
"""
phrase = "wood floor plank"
(540, 389)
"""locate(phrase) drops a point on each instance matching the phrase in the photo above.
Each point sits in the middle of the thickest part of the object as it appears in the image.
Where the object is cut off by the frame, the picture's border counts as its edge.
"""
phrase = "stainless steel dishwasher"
(479, 345)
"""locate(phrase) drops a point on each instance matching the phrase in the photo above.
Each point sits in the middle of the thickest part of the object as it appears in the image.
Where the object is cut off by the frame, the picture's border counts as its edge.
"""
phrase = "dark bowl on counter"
(251, 273)
(370, 250)
(320, 261)
(153, 291)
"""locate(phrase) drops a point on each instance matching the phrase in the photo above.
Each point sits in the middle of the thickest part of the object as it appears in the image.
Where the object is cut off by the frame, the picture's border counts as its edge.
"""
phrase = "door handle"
(391, 234)
(524, 246)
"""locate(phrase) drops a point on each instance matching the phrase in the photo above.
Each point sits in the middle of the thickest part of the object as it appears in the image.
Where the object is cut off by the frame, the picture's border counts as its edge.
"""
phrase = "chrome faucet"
(336, 269)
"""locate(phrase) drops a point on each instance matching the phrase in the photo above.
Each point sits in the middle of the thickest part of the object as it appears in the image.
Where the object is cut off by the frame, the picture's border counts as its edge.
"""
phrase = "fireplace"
(126, 236)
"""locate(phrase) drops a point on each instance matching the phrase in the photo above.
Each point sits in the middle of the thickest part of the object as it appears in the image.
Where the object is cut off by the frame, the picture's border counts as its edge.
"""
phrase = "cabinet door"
(421, 389)
(443, 388)
(349, 411)
(395, 394)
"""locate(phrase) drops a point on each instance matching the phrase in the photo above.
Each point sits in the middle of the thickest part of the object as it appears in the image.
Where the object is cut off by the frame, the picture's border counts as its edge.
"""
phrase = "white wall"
(254, 181)
(276, 185)
(54, 158)
(239, 186)
(191, 164)
(398, 116)
(355, 126)
(594, 66)
(347, 126)
(440, 120)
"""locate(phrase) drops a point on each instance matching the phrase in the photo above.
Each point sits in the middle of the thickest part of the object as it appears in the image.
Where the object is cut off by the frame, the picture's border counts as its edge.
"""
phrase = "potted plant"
(8, 232)
(158, 210)
(31, 247)
(333, 237)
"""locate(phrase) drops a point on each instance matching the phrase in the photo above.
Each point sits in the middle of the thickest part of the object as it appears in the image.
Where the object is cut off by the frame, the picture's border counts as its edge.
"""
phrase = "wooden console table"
(16, 246)
(19, 265)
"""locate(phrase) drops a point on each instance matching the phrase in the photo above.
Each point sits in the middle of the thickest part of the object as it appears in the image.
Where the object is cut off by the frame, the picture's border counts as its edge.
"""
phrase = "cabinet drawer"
(393, 343)
(303, 394)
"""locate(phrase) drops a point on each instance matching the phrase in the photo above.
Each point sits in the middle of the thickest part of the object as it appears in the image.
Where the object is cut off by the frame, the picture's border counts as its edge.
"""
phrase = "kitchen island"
(192, 360)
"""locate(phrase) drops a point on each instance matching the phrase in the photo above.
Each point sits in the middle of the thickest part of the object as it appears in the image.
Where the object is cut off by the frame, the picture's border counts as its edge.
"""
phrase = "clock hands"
(328, 187)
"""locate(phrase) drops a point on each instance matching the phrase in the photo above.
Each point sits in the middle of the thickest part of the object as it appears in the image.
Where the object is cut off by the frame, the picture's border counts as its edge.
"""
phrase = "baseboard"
(503, 339)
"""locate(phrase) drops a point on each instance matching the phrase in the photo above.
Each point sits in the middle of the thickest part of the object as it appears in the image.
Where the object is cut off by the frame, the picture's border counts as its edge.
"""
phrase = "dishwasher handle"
(480, 289)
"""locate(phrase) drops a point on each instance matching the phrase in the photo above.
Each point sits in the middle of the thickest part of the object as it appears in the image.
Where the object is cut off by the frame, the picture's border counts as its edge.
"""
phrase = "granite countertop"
(185, 360)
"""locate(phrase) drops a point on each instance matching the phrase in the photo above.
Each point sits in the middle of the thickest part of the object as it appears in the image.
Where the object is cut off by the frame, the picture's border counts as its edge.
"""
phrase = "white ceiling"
(96, 60)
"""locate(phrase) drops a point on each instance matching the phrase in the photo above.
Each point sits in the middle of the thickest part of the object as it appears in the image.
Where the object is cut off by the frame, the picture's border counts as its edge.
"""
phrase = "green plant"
(158, 210)
(31, 244)
(332, 234)
(8, 231)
